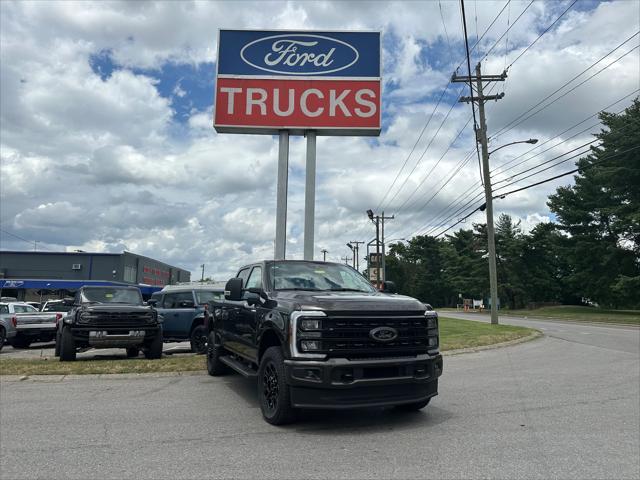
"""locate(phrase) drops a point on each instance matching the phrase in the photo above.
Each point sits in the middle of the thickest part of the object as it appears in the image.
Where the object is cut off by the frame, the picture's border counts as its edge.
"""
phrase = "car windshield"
(317, 276)
(56, 307)
(111, 295)
(206, 296)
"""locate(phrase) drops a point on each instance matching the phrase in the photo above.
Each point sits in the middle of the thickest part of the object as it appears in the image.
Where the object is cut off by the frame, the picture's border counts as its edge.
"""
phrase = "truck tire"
(198, 339)
(133, 352)
(273, 391)
(413, 407)
(58, 341)
(214, 351)
(154, 350)
(67, 346)
(3, 336)
(20, 342)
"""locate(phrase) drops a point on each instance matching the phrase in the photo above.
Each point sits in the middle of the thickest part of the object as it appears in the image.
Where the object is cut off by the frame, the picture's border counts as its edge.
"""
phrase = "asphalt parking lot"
(564, 406)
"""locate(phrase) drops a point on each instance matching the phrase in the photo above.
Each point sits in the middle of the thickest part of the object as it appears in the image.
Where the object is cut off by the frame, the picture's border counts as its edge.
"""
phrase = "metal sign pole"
(310, 196)
(281, 205)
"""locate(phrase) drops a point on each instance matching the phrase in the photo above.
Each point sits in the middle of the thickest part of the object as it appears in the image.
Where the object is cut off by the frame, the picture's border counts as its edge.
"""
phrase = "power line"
(414, 146)
(506, 127)
(579, 169)
(540, 36)
(500, 167)
(473, 107)
(31, 242)
(507, 34)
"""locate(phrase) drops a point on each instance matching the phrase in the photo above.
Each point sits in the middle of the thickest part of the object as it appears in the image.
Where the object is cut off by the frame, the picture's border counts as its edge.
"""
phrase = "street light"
(532, 141)
(491, 239)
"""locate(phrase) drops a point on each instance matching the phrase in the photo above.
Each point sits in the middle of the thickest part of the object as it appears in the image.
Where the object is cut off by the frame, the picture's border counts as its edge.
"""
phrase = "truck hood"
(347, 301)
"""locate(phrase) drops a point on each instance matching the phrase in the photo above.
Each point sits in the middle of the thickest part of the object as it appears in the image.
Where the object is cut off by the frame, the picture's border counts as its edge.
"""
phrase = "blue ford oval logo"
(384, 334)
(299, 54)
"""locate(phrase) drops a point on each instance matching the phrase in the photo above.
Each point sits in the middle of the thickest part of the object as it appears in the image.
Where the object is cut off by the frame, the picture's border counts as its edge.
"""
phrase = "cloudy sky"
(107, 141)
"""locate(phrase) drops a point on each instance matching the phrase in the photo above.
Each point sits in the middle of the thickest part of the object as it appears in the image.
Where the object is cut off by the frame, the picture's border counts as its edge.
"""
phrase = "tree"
(601, 213)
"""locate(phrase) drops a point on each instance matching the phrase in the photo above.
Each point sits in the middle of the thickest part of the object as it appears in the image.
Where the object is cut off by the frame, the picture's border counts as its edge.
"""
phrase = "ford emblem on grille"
(384, 334)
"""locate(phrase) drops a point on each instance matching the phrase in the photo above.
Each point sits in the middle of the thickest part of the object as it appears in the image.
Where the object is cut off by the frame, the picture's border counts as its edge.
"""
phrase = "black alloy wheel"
(273, 391)
(270, 388)
(199, 340)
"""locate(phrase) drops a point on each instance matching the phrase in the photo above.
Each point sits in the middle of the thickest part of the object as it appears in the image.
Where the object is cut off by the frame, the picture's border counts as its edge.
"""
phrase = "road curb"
(528, 338)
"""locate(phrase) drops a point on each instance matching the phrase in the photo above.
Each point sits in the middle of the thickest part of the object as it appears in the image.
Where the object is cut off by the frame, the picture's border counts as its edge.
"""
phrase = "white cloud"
(101, 163)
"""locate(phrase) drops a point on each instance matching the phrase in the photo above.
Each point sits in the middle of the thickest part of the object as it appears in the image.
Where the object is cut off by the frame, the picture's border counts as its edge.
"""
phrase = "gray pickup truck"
(21, 324)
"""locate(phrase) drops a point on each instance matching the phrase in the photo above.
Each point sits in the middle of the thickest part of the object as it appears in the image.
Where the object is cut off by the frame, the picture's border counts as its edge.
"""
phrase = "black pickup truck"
(319, 335)
(109, 317)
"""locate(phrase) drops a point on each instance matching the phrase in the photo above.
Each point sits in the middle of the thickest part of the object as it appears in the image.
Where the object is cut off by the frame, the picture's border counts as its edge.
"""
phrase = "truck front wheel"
(273, 391)
(67, 346)
(154, 350)
(198, 339)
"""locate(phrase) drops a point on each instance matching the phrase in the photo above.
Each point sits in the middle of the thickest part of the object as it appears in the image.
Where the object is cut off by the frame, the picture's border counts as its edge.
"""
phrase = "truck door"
(231, 330)
(247, 321)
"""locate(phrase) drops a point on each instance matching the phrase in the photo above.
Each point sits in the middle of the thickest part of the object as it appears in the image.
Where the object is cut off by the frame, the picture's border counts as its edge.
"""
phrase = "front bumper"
(341, 383)
(109, 337)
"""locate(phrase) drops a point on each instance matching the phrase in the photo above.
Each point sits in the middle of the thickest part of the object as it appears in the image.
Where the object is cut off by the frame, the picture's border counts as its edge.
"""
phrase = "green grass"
(454, 334)
(579, 313)
(576, 313)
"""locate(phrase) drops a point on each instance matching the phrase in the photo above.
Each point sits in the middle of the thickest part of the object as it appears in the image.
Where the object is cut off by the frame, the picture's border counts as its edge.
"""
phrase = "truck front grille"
(117, 319)
(349, 335)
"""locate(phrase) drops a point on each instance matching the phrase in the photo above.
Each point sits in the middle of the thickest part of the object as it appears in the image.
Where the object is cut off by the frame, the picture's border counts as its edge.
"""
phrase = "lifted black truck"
(109, 317)
(319, 335)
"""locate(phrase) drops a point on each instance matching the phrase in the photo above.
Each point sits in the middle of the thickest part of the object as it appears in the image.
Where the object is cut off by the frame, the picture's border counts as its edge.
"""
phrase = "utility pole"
(377, 219)
(346, 260)
(356, 258)
(481, 137)
(202, 278)
(384, 263)
(324, 254)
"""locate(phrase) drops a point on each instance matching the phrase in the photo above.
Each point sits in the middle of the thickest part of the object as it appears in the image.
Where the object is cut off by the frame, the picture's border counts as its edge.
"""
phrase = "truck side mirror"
(389, 287)
(233, 290)
(153, 302)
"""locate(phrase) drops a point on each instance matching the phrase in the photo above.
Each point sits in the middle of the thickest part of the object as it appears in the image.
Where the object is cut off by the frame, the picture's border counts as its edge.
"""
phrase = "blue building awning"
(39, 284)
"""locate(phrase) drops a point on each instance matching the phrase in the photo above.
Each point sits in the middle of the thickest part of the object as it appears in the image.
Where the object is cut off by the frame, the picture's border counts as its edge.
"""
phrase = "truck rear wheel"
(273, 391)
(214, 351)
(67, 346)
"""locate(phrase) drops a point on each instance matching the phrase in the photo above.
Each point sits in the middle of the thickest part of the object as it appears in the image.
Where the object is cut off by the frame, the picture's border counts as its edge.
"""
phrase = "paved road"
(564, 406)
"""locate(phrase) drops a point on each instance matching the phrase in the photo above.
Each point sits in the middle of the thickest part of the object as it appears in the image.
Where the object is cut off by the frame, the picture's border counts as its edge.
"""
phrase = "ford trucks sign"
(272, 80)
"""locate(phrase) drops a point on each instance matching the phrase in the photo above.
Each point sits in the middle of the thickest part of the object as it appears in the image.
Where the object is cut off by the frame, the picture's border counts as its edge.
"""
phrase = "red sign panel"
(289, 104)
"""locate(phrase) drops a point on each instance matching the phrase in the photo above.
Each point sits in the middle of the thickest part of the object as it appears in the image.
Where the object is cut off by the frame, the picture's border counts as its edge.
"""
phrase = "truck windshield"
(111, 295)
(317, 276)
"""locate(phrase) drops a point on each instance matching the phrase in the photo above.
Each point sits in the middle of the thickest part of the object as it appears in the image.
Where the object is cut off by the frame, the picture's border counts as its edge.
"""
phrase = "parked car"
(30, 324)
(319, 335)
(185, 312)
(56, 306)
(8, 324)
(109, 317)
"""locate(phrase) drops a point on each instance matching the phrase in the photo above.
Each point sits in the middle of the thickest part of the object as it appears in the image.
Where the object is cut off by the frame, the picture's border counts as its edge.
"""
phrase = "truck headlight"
(433, 341)
(310, 324)
(432, 322)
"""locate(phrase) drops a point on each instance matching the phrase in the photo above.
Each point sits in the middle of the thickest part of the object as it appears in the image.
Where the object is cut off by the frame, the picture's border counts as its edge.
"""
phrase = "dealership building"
(24, 274)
